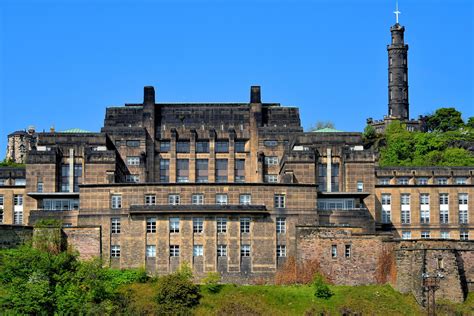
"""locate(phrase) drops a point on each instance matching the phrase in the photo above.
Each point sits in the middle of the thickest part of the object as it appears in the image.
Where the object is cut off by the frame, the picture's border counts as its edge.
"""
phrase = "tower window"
(390, 61)
(391, 76)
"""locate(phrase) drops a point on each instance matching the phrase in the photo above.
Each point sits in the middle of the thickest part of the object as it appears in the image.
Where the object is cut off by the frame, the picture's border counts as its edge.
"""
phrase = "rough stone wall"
(14, 235)
(85, 240)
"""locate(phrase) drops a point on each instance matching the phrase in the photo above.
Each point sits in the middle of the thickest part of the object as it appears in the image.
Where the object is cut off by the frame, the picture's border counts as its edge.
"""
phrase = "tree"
(445, 119)
(470, 122)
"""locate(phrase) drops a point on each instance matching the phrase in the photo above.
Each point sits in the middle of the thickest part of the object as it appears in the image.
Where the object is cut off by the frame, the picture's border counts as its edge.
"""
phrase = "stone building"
(19, 143)
(239, 188)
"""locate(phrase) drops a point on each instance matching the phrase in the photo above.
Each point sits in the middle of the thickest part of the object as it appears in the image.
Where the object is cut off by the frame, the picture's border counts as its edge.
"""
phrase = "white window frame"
(174, 251)
(245, 225)
(133, 160)
(116, 201)
(198, 225)
(281, 251)
(174, 225)
(115, 251)
(198, 251)
(271, 178)
(174, 199)
(245, 250)
(115, 225)
(281, 225)
(151, 251)
(222, 250)
(279, 201)
(221, 199)
(406, 234)
(151, 225)
(245, 199)
(197, 199)
(150, 199)
(221, 225)
(271, 160)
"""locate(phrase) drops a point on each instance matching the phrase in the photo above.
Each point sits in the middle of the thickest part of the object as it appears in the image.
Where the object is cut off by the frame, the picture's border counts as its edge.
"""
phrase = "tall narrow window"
(245, 225)
(222, 146)
(334, 251)
(164, 170)
(150, 251)
(1, 208)
(360, 186)
(240, 170)
(322, 173)
(151, 225)
(116, 201)
(174, 224)
(463, 208)
(182, 170)
(281, 250)
(198, 225)
(405, 208)
(443, 208)
(386, 208)
(280, 225)
(279, 200)
(221, 170)
(182, 147)
(347, 251)
(202, 146)
(221, 225)
(202, 173)
(64, 178)
(115, 225)
(39, 186)
(335, 177)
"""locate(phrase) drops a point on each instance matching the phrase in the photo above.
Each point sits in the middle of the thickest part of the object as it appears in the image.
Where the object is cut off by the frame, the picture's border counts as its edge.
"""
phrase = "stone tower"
(398, 74)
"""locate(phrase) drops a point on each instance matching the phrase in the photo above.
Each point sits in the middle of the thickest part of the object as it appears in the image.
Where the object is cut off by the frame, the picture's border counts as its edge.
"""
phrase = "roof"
(327, 130)
(75, 130)
(18, 133)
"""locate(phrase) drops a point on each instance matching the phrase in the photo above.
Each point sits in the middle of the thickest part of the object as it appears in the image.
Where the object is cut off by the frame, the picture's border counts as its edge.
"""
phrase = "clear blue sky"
(63, 62)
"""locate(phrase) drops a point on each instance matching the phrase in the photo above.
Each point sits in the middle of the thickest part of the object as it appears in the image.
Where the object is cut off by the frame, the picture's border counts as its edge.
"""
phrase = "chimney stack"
(255, 94)
(149, 95)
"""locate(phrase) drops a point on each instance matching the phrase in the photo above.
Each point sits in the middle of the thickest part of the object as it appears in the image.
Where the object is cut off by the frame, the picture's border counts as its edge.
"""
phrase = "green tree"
(470, 122)
(445, 119)
(321, 288)
(399, 146)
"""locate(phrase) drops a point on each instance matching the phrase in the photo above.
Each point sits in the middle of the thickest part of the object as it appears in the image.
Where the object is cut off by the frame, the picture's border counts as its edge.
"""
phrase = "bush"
(211, 282)
(177, 294)
(322, 290)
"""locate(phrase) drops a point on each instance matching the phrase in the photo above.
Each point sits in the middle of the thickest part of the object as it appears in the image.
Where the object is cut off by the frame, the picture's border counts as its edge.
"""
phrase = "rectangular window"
(406, 235)
(150, 199)
(405, 199)
(386, 199)
(202, 171)
(115, 226)
(197, 251)
(425, 234)
(270, 143)
(386, 208)
(150, 251)
(164, 170)
(245, 199)
(245, 225)
(174, 250)
(221, 199)
(39, 187)
(463, 216)
(347, 251)
(173, 199)
(133, 161)
(182, 170)
(271, 160)
(444, 235)
(198, 224)
(165, 146)
(64, 178)
(245, 251)
(222, 146)
(322, 176)
(202, 146)
(116, 201)
(221, 170)
(360, 186)
(442, 181)
(18, 199)
(60, 204)
(384, 181)
(334, 251)
(115, 251)
(222, 250)
(20, 181)
(182, 147)
(281, 251)
(132, 178)
(221, 225)
(464, 235)
(424, 199)
(443, 216)
(462, 198)
(239, 170)
(279, 201)
(197, 199)
(424, 216)
(239, 146)
(460, 180)
(174, 224)
(422, 181)
(133, 143)
(1, 208)
(405, 216)
(335, 177)
(280, 225)
(271, 178)
(402, 181)
(151, 225)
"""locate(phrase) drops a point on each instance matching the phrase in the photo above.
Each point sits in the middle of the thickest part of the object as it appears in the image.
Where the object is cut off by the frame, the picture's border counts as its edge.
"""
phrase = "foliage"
(321, 125)
(470, 122)
(445, 119)
(11, 163)
(369, 133)
(48, 223)
(176, 293)
(211, 282)
(321, 289)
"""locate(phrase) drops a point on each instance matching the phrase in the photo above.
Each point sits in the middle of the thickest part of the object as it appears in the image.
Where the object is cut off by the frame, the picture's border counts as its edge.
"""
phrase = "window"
(239, 170)
(164, 170)
(422, 181)
(425, 234)
(116, 201)
(279, 201)
(197, 251)
(202, 173)
(64, 178)
(173, 199)
(462, 198)
(270, 143)
(39, 187)
(384, 181)
(2, 182)
(281, 251)
(245, 199)
(115, 226)
(182, 170)
(443, 216)
(133, 161)
(150, 251)
(1, 208)
(386, 199)
(60, 204)
(424, 216)
(441, 181)
(406, 235)
(132, 178)
(222, 250)
(405, 199)
(174, 224)
(245, 251)
(221, 170)
(202, 146)
(424, 199)
(197, 199)
(347, 251)
(335, 177)
(360, 186)
(271, 178)
(151, 225)
(460, 180)
(239, 146)
(464, 235)
(115, 251)
(444, 235)
(463, 216)
(391, 77)
(280, 225)
(198, 224)
(405, 216)
(221, 199)
(245, 225)
(386, 208)
(221, 225)
(182, 147)
(150, 199)
(271, 160)
(174, 250)
(336, 204)
(165, 146)
(133, 143)
(18, 199)
(402, 181)
(334, 251)
(20, 181)
(222, 146)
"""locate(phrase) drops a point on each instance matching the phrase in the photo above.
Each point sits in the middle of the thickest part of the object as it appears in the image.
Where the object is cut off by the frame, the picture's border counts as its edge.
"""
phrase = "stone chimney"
(149, 95)
(255, 94)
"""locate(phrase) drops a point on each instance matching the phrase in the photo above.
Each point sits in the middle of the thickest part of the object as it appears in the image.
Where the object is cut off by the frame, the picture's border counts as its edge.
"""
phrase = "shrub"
(211, 282)
(322, 290)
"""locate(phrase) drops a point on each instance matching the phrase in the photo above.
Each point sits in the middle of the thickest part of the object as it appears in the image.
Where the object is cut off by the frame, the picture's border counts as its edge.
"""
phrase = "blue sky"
(63, 62)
